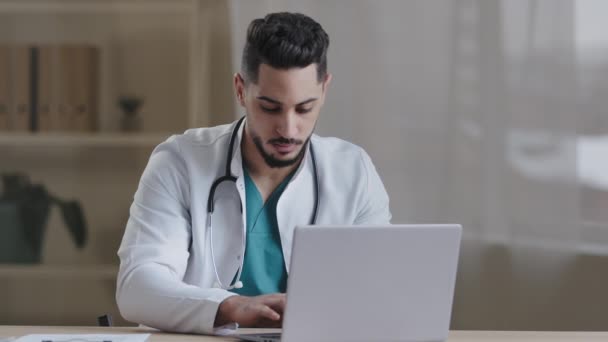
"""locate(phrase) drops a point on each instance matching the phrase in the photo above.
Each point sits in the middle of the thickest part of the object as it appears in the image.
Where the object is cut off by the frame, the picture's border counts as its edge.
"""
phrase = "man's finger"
(275, 300)
(267, 312)
(278, 306)
(268, 323)
(273, 295)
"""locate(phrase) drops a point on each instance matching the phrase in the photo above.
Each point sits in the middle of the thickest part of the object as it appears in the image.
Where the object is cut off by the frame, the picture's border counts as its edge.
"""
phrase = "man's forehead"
(297, 84)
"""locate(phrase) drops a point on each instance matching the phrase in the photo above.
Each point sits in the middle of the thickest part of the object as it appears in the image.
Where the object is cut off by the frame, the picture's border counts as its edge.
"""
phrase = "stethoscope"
(228, 177)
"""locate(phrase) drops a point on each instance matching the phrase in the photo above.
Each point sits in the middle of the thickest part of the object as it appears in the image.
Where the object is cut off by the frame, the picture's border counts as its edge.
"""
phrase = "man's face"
(282, 110)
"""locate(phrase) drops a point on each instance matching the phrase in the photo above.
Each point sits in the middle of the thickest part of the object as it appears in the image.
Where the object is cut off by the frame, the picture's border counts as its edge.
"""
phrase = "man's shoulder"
(194, 138)
(342, 162)
(339, 154)
(205, 135)
(333, 145)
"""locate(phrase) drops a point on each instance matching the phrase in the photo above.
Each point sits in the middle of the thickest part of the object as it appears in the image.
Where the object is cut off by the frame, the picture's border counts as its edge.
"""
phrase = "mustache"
(285, 141)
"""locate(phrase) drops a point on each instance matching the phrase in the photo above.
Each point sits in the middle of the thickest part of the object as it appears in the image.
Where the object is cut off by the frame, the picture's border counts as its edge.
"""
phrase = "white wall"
(479, 112)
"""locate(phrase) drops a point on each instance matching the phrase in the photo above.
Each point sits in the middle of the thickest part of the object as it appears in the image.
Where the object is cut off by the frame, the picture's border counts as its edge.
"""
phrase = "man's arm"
(374, 208)
(154, 252)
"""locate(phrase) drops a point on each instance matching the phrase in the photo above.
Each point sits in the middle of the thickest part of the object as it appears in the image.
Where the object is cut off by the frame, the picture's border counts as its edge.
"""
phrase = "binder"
(49, 87)
(21, 58)
(5, 88)
(78, 87)
(46, 101)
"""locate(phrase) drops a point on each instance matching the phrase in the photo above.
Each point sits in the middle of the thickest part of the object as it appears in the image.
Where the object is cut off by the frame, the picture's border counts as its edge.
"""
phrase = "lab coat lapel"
(236, 166)
(295, 207)
(229, 230)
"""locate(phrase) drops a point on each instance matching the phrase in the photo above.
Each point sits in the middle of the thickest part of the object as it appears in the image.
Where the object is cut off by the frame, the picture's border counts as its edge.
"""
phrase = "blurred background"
(488, 113)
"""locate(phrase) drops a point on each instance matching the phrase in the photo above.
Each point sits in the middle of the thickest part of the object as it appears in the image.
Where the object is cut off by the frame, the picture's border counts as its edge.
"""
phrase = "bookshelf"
(175, 54)
(136, 39)
(123, 140)
(41, 272)
(97, 6)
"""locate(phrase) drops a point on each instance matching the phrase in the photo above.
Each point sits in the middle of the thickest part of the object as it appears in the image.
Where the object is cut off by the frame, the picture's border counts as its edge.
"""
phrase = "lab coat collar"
(299, 193)
(296, 204)
(236, 164)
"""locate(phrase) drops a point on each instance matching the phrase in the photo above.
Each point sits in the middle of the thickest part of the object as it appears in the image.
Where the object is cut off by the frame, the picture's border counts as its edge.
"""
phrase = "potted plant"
(24, 210)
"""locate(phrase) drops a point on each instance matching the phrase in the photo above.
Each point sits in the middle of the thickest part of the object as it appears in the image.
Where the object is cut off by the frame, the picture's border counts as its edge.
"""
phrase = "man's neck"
(266, 178)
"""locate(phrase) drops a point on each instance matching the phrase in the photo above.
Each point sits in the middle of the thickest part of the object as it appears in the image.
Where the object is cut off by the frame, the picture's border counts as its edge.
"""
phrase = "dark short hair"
(283, 41)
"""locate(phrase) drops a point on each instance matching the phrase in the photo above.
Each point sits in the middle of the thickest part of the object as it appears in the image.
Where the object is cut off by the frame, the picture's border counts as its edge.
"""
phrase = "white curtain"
(472, 112)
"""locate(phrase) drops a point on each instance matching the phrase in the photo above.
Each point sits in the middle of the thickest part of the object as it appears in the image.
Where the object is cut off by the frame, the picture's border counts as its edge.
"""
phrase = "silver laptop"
(370, 283)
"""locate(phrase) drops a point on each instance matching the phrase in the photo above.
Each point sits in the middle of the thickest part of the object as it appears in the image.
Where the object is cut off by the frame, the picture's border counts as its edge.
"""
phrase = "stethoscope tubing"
(229, 177)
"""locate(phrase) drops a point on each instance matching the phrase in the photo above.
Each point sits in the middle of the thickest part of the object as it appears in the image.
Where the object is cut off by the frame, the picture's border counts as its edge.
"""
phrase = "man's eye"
(304, 110)
(271, 110)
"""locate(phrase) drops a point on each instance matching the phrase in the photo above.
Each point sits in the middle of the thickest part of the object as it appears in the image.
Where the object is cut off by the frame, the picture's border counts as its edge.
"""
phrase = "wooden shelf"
(57, 271)
(96, 6)
(81, 139)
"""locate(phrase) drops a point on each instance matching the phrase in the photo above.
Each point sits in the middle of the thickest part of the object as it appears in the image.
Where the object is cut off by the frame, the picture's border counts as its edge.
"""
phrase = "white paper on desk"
(83, 338)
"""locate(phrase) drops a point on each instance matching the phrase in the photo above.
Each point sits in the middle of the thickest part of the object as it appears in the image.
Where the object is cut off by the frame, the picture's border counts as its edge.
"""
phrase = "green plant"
(23, 220)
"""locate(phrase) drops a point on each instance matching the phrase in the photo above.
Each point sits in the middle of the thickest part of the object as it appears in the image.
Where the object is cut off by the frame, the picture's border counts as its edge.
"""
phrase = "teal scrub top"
(264, 269)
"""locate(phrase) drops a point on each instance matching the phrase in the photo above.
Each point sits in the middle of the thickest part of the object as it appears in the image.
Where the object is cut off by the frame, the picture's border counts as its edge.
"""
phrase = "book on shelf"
(78, 77)
(46, 102)
(50, 87)
(21, 77)
(4, 87)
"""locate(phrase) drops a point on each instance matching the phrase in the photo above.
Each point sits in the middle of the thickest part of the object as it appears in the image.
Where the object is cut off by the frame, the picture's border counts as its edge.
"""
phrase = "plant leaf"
(74, 219)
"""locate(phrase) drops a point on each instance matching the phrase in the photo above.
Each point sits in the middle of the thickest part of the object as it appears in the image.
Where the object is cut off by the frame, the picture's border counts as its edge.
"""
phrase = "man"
(185, 270)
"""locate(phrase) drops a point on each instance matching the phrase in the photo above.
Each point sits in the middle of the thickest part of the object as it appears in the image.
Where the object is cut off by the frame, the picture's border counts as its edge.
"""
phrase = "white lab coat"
(166, 278)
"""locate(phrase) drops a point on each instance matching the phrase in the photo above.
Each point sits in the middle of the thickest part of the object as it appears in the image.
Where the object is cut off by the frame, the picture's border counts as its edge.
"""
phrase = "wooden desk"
(455, 336)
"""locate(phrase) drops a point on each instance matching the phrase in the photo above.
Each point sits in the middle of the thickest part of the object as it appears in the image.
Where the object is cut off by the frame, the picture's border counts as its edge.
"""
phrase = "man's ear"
(326, 82)
(239, 88)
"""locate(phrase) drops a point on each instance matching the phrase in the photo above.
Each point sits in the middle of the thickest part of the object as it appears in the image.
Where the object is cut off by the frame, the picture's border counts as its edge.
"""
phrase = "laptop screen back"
(371, 283)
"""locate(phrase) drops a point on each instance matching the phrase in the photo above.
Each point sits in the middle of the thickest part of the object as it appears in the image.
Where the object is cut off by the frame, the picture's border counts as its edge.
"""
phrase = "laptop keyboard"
(263, 337)
(275, 336)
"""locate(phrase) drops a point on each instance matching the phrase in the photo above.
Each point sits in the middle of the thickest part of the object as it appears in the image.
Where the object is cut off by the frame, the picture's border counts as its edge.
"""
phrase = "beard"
(274, 162)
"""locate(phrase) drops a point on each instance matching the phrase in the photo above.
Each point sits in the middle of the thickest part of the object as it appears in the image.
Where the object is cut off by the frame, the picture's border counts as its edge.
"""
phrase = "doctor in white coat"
(181, 267)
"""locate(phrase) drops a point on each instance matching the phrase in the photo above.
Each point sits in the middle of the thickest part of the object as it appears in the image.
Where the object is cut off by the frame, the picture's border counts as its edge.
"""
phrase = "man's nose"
(288, 125)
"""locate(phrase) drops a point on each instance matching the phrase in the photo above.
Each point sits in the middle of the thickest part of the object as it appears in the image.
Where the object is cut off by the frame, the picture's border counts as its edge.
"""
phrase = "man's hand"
(252, 312)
